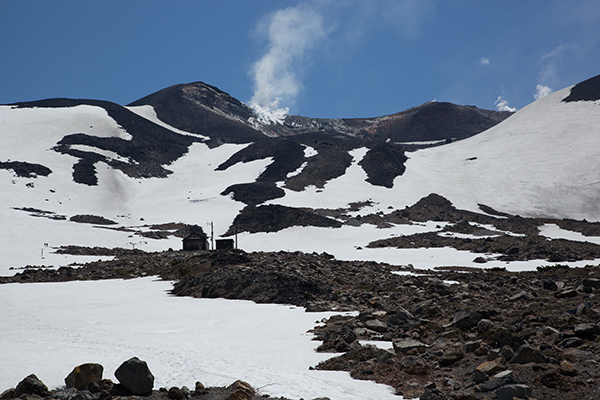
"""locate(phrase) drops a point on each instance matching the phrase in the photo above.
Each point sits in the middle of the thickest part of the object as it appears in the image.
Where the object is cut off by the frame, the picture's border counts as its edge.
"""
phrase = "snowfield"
(48, 329)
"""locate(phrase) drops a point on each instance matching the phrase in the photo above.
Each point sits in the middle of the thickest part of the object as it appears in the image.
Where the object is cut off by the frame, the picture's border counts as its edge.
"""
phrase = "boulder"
(83, 375)
(434, 394)
(588, 329)
(450, 356)
(242, 385)
(175, 393)
(565, 294)
(591, 282)
(549, 285)
(383, 355)
(8, 394)
(135, 376)
(491, 367)
(479, 376)
(485, 325)
(566, 368)
(376, 325)
(401, 313)
(509, 391)
(470, 347)
(527, 354)
(32, 385)
(406, 345)
(466, 319)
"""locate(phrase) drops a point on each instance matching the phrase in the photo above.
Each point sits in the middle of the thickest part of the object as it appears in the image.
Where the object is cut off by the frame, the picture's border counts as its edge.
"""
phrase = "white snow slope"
(542, 161)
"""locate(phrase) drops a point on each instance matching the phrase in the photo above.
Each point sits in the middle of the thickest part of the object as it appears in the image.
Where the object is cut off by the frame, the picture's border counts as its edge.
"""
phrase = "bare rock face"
(83, 375)
(135, 376)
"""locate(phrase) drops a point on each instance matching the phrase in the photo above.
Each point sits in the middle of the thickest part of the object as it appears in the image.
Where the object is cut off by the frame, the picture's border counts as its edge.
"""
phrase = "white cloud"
(502, 105)
(542, 91)
(291, 33)
(484, 61)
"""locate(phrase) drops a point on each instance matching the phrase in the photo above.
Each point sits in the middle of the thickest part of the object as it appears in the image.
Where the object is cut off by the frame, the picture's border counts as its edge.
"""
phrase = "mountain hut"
(195, 241)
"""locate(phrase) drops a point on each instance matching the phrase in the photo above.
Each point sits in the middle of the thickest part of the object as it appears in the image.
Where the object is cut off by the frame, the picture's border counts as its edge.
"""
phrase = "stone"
(238, 394)
(485, 325)
(32, 385)
(587, 329)
(376, 325)
(175, 393)
(549, 285)
(566, 368)
(470, 347)
(434, 394)
(489, 386)
(571, 342)
(507, 352)
(451, 356)
(491, 367)
(565, 294)
(242, 385)
(479, 376)
(384, 355)
(527, 354)
(405, 345)
(83, 375)
(522, 295)
(135, 376)
(83, 395)
(466, 319)
(500, 376)
(401, 313)
(8, 394)
(509, 391)
(591, 282)
(199, 389)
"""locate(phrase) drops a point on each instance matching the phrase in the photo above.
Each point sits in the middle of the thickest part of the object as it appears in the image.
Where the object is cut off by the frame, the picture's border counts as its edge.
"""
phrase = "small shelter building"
(195, 241)
(222, 244)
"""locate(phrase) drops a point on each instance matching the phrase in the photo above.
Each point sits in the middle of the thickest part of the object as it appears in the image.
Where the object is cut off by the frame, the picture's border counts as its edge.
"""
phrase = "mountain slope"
(64, 161)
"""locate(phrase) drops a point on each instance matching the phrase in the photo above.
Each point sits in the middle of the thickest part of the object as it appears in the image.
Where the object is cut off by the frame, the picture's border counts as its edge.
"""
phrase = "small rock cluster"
(85, 382)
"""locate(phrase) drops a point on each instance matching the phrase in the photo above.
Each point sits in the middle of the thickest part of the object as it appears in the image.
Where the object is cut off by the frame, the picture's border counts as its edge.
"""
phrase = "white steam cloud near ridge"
(541, 91)
(291, 33)
(502, 105)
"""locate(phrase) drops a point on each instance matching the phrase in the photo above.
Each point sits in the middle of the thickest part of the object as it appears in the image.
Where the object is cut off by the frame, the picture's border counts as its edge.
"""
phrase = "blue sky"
(318, 58)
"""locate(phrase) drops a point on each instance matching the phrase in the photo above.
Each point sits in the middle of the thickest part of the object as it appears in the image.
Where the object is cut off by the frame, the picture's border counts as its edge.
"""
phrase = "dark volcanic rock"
(287, 157)
(588, 90)
(25, 169)
(91, 219)
(383, 163)
(273, 218)
(135, 376)
(254, 193)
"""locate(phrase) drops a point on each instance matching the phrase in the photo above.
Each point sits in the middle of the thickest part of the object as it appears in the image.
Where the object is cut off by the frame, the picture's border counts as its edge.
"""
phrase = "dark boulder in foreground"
(135, 376)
